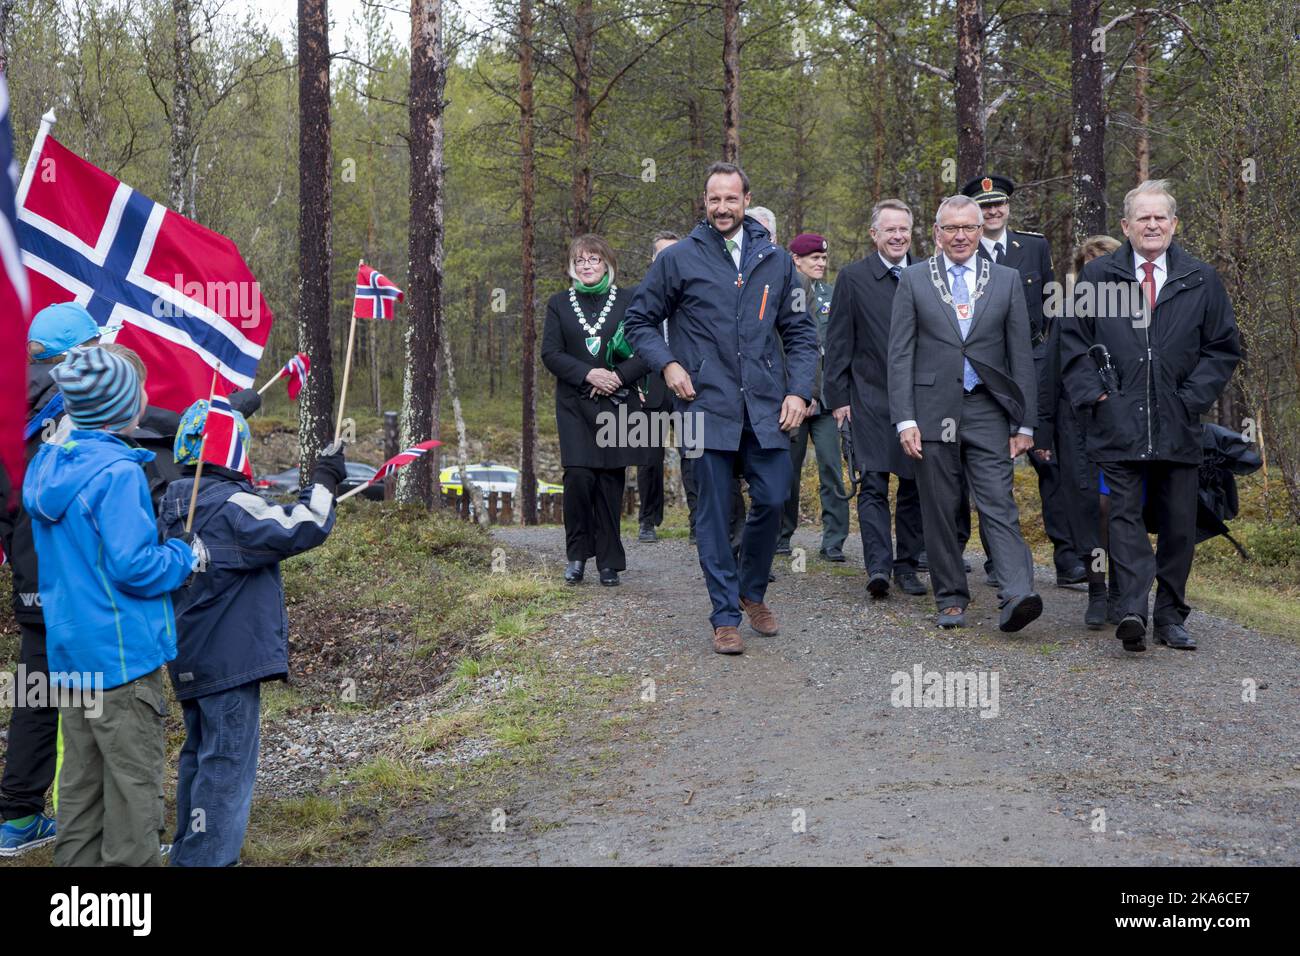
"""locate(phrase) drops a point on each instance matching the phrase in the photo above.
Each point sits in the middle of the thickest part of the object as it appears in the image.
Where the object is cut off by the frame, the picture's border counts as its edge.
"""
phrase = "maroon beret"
(807, 243)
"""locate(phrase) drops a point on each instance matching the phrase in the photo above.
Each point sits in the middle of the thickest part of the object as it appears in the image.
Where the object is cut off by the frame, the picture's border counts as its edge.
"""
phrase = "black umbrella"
(1225, 454)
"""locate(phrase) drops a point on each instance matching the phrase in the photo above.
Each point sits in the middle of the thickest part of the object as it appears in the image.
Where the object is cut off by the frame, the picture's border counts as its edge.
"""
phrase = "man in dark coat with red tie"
(1142, 368)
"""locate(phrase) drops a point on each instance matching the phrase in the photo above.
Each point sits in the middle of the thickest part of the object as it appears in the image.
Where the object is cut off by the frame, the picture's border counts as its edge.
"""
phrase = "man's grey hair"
(957, 202)
(766, 217)
(1150, 187)
(662, 235)
(896, 204)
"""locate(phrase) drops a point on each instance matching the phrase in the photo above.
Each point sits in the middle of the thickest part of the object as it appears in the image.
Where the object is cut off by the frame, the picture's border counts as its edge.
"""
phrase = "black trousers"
(1169, 490)
(29, 764)
(738, 511)
(1060, 499)
(593, 498)
(650, 490)
(878, 554)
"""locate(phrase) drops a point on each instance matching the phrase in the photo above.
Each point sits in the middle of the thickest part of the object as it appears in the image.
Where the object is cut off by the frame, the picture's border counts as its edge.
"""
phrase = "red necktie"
(1149, 284)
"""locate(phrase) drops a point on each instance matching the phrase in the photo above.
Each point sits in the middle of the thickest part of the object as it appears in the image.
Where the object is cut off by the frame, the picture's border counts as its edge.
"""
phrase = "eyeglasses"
(589, 261)
(969, 230)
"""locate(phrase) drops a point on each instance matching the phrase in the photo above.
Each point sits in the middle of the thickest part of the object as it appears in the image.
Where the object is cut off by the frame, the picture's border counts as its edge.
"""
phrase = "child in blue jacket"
(104, 583)
(233, 632)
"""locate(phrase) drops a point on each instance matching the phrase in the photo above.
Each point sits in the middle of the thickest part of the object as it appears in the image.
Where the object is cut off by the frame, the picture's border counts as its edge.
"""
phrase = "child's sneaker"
(15, 841)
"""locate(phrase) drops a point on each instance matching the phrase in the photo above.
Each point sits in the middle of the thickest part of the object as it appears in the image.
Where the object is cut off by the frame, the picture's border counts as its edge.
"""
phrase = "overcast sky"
(281, 16)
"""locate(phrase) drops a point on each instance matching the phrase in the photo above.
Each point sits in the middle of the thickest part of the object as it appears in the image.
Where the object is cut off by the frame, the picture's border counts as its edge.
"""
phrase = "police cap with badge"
(1026, 252)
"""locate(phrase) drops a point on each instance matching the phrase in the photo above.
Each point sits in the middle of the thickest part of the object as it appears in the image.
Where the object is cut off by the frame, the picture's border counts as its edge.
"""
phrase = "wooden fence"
(500, 506)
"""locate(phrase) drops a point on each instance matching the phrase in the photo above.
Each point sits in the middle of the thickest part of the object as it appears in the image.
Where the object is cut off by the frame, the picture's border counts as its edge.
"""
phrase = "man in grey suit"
(962, 394)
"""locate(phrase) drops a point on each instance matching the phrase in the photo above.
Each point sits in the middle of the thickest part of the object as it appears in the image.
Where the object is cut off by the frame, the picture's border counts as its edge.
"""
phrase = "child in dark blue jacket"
(233, 632)
(104, 585)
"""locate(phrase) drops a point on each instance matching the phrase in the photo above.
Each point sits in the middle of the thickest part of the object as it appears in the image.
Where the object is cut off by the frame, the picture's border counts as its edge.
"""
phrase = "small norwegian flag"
(296, 370)
(376, 297)
(222, 443)
(402, 459)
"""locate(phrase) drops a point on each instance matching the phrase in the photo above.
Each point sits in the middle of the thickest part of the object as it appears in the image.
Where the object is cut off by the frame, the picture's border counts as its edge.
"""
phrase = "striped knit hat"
(100, 389)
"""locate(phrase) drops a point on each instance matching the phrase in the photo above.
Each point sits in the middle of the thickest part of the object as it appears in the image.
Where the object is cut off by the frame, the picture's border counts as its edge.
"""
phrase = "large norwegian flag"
(176, 292)
(15, 308)
(222, 444)
(376, 296)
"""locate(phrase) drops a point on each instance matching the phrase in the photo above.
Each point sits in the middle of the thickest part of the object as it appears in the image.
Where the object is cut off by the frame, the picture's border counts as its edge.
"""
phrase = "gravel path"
(793, 753)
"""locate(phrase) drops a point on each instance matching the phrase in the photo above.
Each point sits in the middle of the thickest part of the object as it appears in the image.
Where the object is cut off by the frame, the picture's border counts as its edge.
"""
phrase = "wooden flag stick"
(203, 444)
(270, 383)
(347, 364)
(355, 491)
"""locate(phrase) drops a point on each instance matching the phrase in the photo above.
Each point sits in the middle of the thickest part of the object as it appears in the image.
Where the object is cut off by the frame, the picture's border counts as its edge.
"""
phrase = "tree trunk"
(1089, 131)
(878, 101)
(528, 451)
(583, 54)
(969, 80)
(1141, 102)
(493, 371)
(696, 122)
(316, 404)
(183, 83)
(731, 81)
(420, 393)
(467, 487)
(6, 27)
(376, 392)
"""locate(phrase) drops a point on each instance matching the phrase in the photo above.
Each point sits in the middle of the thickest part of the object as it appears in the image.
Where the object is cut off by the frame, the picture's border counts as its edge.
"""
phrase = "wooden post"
(507, 508)
(347, 364)
(203, 444)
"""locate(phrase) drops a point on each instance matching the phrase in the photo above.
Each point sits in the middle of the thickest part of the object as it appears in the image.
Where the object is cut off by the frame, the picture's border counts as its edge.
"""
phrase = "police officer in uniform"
(1030, 255)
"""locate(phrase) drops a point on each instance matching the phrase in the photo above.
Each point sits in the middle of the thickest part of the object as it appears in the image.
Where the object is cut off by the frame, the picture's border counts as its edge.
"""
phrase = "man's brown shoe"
(761, 618)
(727, 640)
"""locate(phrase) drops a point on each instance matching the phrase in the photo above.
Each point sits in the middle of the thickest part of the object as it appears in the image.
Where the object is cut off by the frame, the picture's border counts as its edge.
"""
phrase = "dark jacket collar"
(1177, 261)
(40, 386)
(756, 237)
(216, 471)
(877, 265)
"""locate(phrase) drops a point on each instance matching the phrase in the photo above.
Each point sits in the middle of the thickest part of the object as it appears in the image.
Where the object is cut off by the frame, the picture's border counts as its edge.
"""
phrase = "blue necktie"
(961, 295)
(895, 271)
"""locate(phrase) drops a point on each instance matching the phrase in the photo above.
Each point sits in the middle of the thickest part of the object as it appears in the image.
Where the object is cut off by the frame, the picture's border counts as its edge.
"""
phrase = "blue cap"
(60, 327)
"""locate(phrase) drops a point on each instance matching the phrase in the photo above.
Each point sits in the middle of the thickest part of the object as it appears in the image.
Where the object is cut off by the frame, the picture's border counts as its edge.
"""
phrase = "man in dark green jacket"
(811, 259)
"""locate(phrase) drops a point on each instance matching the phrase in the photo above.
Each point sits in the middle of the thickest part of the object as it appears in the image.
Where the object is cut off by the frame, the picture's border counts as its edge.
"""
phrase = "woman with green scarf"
(597, 437)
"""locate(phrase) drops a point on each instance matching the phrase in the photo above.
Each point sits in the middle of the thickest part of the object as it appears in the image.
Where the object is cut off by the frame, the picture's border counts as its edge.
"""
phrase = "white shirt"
(1161, 271)
(987, 243)
(739, 237)
(902, 263)
(967, 276)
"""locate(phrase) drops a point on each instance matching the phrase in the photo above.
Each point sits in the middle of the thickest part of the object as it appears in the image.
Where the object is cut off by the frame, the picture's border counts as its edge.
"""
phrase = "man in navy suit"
(741, 357)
